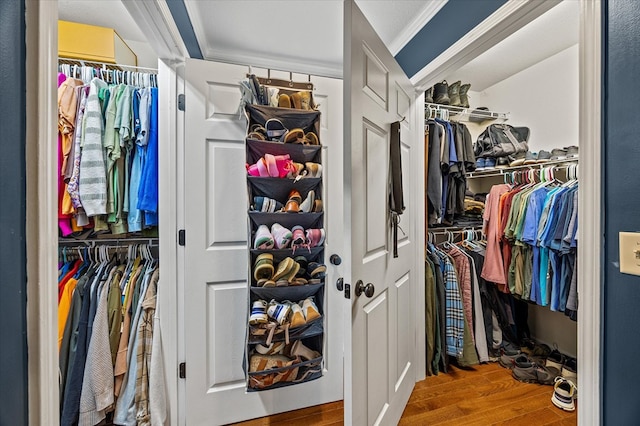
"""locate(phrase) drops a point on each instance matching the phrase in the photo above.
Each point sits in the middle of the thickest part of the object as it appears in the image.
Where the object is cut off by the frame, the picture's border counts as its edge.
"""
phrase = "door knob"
(335, 259)
(368, 289)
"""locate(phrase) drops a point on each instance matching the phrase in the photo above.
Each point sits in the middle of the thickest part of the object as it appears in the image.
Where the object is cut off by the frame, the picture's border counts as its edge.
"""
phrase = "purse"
(501, 140)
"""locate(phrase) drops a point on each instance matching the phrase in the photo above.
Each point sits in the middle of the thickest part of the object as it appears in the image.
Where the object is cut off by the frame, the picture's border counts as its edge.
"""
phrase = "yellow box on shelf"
(93, 43)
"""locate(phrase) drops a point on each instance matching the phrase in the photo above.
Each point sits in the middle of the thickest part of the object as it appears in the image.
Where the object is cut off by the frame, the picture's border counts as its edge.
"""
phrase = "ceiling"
(248, 30)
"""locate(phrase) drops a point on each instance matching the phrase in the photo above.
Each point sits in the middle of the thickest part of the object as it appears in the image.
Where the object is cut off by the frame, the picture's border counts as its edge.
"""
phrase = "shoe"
(315, 237)
(256, 136)
(558, 154)
(303, 262)
(428, 95)
(284, 269)
(314, 170)
(284, 101)
(518, 159)
(263, 239)
(258, 312)
(530, 372)
(301, 100)
(316, 270)
(295, 136)
(454, 93)
(307, 205)
(543, 156)
(572, 151)
(299, 238)
(502, 162)
(275, 130)
(555, 361)
(489, 163)
(508, 358)
(263, 267)
(570, 372)
(279, 312)
(266, 204)
(298, 349)
(309, 309)
(312, 138)
(281, 236)
(441, 93)
(297, 317)
(317, 206)
(540, 353)
(293, 203)
(464, 97)
(530, 158)
(276, 348)
(481, 164)
(563, 394)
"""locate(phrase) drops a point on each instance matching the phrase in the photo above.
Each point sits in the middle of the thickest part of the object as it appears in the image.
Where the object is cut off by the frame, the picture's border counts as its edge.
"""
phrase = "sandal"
(313, 169)
(275, 130)
(312, 138)
(263, 267)
(284, 101)
(295, 136)
(284, 268)
(272, 349)
(300, 350)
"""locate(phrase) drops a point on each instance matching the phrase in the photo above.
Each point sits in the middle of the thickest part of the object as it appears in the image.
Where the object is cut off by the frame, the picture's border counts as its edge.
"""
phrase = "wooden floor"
(486, 395)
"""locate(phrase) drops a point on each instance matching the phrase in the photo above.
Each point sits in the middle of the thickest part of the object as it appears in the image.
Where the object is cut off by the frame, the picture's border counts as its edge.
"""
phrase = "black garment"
(440, 291)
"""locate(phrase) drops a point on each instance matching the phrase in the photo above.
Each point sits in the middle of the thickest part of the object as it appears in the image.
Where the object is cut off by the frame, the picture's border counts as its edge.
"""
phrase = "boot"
(428, 95)
(440, 93)
(464, 98)
(454, 94)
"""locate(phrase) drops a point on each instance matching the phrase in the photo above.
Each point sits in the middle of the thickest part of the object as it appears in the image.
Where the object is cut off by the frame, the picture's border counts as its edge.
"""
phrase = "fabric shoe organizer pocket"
(296, 370)
(279, 189)
(260, 334)
(308, 121)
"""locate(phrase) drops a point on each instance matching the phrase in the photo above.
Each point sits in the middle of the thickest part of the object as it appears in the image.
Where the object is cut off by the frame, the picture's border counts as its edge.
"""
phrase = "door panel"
(216, 251)
(383, 327)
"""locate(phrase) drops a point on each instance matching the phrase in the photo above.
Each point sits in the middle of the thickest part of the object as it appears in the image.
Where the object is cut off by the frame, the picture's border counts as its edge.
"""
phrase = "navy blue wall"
(622, 209)
(454, 20)
(13, 335)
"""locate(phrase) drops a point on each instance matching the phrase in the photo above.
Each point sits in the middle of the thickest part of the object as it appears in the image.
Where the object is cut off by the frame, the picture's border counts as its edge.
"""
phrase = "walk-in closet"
(501, 136)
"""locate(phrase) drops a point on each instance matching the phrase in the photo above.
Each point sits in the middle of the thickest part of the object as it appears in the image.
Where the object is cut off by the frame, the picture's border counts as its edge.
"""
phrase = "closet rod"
(454, 229)
(151, 242)
(105, 65)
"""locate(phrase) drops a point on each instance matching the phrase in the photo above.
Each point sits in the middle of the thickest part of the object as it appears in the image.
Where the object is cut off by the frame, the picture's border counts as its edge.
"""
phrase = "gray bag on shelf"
(501, 140)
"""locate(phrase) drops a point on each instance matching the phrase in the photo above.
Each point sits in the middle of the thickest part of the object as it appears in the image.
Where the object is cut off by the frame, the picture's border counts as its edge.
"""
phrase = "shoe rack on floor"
(311, 334)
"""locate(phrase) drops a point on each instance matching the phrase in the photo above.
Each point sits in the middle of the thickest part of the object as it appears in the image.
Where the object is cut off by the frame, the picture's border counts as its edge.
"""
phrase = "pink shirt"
(493, 269)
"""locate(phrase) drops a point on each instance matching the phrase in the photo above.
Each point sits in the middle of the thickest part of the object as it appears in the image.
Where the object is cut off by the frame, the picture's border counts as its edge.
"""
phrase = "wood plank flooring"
(485, 395)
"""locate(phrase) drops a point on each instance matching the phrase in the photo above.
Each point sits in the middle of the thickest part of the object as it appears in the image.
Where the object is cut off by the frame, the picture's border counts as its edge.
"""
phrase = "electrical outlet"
(630, 253)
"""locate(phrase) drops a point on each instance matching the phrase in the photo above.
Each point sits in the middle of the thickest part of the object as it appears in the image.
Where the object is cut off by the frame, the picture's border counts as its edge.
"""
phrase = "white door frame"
(498, 26)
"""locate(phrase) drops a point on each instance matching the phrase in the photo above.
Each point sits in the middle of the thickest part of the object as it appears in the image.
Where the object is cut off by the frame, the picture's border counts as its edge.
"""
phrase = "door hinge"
(182, 370)
(181, 237)
(181, 102)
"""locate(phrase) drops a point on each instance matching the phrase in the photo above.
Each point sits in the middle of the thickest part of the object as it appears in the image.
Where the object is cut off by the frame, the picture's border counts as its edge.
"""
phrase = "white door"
(216, 255)
(380, 370)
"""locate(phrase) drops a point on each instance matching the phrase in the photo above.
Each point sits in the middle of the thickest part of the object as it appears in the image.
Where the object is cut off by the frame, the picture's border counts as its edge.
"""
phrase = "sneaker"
(530, 372)
(258, 312)
(315, 237)
(543, 156)
(490, 163)
(307, 205)
(264, 239)
(297, 316)
(558, 154)
(480, 164)
(281, 236)
(555, 361)
(508, 358)
(563, 394)
(299, 238)
(280, 312)
(572, 151)
(570, 372)
(266, 205)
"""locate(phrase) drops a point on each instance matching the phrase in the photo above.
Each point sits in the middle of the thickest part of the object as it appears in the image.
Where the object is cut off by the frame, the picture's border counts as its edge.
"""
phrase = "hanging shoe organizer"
(285, 322)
